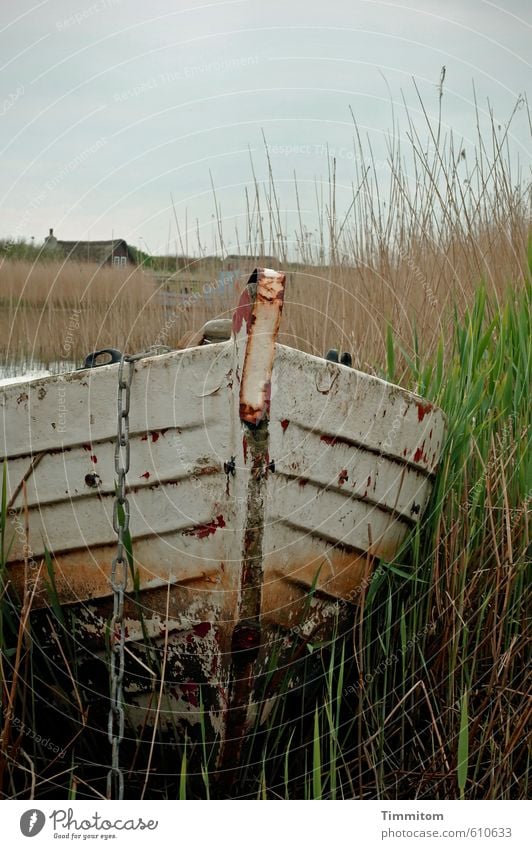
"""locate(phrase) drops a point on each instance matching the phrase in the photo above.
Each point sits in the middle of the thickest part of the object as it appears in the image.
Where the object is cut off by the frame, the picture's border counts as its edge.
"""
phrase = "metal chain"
(115, 728)
(115, 724)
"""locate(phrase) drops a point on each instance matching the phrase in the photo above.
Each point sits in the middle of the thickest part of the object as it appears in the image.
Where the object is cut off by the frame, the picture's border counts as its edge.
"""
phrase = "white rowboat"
(264, 484)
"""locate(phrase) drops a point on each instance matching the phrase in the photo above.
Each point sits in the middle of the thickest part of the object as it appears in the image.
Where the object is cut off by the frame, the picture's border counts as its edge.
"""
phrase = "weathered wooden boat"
(263, 486)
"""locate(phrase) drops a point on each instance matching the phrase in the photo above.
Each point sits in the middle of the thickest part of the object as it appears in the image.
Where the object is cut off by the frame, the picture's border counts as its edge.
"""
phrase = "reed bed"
(404, 245)
(57, 311)
(427, 695)
(54, 314)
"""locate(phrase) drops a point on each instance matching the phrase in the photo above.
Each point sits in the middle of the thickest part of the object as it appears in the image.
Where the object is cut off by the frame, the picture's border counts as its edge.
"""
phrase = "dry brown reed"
(405, 253)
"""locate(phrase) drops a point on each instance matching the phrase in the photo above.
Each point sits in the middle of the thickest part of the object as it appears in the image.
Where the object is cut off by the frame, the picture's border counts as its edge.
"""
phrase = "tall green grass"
(426, 696)
(457, 623)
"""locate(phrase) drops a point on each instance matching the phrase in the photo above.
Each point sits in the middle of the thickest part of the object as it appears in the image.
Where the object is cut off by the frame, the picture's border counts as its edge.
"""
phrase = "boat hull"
(250, 538)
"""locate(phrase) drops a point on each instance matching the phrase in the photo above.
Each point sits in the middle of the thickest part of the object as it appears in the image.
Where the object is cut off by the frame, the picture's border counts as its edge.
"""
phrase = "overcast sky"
(109, 107)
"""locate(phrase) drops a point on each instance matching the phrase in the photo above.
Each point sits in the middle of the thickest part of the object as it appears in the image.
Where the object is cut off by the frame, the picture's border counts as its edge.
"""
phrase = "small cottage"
(114, 252)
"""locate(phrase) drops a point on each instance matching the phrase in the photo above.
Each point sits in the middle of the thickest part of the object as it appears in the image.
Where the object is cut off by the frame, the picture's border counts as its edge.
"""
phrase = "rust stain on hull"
(247, 636)
(202, 531)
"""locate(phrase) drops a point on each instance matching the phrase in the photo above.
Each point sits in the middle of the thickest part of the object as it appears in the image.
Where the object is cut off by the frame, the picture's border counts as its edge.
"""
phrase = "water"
(22, 371)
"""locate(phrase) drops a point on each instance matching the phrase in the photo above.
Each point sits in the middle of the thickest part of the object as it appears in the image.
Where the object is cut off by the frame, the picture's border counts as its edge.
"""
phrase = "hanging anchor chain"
(119, 567)
(115, 728)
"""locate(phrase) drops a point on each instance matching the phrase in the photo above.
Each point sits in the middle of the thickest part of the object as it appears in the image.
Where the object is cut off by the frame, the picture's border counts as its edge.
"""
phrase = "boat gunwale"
(143, 361)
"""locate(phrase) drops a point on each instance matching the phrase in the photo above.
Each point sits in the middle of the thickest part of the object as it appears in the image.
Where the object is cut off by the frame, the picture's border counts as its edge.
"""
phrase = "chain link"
(116, 718)
(115, 728)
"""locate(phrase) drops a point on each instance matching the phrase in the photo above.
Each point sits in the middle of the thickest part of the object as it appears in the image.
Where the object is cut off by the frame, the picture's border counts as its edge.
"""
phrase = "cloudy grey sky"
(108, 107)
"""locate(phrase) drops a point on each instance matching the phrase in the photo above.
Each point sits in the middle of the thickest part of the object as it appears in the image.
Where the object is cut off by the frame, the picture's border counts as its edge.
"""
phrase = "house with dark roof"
(114, 252)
